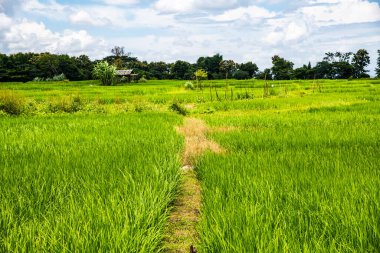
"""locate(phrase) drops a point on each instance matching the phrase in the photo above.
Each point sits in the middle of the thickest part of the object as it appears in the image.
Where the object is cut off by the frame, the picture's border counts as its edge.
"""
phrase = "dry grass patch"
(196, 141)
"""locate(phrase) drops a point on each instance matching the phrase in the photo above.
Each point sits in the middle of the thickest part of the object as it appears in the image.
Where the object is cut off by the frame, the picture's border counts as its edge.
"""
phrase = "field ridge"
(181, 233)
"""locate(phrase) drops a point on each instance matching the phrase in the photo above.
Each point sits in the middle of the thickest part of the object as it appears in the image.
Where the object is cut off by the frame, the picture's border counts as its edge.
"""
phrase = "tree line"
(23, 67)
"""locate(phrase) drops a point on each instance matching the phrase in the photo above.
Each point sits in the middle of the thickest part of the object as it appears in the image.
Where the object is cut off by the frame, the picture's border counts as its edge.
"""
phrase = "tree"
(249, 67)
(105, 72)
(378, 64)
(200, 75)
(340, 66)
(47, 64)
(227, 67)
(118, 51)
(159, 70)
(281, 69)
(182, 70)
(360, 60)
(210, 65)
(266, 74)
(304, 72)
(241, 75)
(85, 66)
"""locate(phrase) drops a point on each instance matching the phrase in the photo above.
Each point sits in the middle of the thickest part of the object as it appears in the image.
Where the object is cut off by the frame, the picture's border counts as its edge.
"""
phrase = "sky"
(170, 30)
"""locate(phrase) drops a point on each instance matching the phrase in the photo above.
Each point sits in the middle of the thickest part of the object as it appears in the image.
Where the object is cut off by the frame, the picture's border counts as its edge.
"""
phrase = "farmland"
(92, 168)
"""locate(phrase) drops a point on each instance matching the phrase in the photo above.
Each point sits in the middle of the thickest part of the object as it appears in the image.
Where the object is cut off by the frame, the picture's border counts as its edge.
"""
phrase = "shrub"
(142, 80)
(104, 72)
(11, 103)
(60, 77)
(67, 104)
(38, 79)
(189, 86)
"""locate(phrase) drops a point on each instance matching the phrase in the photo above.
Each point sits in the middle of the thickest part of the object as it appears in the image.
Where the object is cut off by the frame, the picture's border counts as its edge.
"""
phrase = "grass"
(87, 183)
(91, 168)
(293, 181)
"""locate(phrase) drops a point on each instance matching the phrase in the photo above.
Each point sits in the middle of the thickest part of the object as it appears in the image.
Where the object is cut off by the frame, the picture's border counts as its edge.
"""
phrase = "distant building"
(127, 73)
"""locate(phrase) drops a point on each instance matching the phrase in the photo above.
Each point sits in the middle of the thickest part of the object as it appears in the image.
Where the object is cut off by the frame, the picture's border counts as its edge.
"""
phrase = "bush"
(11, 103)
(143, 80)
(60, 77)
(104, 72)
(189, 86)
(69, 104)
(38, 79)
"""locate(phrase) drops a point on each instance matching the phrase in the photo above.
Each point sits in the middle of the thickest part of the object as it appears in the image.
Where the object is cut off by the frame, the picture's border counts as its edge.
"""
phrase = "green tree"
(211, 65)
(340, 66)
(105, 72)
(182, 70)
(360, 60)
(47, 64)
(249, 67)
(200, 75)
(281, 69)
(227, 67)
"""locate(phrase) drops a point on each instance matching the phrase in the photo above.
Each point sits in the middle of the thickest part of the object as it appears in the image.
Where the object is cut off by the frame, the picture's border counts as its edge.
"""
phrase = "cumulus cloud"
(83, 17)
(121, 2)
(246, 13)
(337, 12)
(27, 36)
(169, 6)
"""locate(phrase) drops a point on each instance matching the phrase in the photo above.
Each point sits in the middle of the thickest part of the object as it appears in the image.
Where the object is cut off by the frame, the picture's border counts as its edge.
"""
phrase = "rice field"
(91, 168)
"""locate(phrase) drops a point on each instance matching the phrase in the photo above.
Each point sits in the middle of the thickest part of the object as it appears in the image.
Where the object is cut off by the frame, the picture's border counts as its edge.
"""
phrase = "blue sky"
(169, 30)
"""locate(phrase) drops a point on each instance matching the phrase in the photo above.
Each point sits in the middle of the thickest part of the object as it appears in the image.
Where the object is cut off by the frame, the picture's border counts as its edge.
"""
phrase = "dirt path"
(181, 234)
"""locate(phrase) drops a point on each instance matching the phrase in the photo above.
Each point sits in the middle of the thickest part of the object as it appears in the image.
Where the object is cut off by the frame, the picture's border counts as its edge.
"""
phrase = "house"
(127, 74)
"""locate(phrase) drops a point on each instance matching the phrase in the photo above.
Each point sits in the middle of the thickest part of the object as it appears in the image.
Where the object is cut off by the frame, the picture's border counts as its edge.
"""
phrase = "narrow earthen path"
(181, 234)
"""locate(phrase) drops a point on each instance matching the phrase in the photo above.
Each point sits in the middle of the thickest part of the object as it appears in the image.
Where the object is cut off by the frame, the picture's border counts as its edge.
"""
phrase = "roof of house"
(124, 72)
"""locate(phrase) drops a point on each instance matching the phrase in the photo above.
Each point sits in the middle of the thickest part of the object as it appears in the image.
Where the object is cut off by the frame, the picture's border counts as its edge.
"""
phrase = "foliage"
(104, 72)
(23, 67)
(227, 67)
(189, 86)
(265, 75)
(360, 60)
(182, 70)
(281, 69)
(249, 67)
(200, 75)
(211, 65)
(142, 80)
(241, 75)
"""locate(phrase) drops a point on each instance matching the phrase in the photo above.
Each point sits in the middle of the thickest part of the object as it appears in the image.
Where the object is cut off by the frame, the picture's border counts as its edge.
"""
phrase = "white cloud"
(170, 6)
(35, 37)
(121, 2)
(5, 21)
(342, 12)
(83, 17)
(247, 13)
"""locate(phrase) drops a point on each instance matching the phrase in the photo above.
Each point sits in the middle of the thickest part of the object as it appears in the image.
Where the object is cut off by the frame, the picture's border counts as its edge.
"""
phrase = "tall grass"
(86, 183)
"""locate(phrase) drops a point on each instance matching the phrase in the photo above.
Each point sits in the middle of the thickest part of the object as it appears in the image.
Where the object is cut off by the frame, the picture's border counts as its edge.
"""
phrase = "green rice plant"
(293, 182)
(73, 183)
